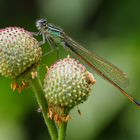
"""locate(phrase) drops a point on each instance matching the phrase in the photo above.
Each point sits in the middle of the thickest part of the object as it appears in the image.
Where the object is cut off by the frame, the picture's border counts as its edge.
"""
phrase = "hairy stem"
(39, 94)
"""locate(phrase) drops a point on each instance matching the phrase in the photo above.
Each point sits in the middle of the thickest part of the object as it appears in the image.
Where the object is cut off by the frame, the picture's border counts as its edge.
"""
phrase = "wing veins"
(104, 68)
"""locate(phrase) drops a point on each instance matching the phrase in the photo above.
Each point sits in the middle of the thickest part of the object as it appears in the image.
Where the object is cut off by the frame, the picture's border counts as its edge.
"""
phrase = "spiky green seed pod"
(67, 83)
(19, 50)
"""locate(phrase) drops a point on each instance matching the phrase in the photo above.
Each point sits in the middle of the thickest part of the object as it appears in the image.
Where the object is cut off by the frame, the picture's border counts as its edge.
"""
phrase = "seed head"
(67, 83)
(19, 50)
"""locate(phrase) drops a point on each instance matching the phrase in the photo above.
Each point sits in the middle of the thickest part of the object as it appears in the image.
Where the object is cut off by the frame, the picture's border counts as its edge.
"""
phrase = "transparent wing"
(100, 65)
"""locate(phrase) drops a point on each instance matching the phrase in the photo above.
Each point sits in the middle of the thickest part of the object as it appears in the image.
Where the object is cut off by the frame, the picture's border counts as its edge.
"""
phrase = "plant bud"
(67, 84)
(19, 50)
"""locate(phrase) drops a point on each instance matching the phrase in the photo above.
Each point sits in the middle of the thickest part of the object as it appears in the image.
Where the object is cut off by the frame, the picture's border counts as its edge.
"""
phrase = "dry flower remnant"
(19, 50)
(67, 84)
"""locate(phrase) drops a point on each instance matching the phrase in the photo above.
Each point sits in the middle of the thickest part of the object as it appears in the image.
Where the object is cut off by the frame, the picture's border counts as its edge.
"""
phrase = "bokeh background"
(109, 28)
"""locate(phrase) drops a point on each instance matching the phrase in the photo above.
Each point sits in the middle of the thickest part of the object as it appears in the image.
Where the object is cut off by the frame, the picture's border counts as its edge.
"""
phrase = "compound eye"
(43, 21)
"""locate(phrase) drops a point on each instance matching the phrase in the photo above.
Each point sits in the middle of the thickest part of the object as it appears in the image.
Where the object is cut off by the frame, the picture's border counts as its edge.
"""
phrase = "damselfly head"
(41, 24)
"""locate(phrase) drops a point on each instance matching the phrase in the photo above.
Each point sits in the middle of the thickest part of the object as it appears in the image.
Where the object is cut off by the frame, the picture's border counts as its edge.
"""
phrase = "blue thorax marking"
(54, 30)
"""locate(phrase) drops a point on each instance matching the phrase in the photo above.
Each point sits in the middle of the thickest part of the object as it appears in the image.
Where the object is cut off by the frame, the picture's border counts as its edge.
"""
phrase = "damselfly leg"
(52, 50)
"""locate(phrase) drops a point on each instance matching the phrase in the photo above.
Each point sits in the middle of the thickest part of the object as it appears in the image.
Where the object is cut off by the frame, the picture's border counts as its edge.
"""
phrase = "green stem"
(38, 91)
(62, 131)
(63, 126)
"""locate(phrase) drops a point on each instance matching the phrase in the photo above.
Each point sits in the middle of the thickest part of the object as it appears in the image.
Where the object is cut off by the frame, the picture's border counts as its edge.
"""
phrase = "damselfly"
(55, 36)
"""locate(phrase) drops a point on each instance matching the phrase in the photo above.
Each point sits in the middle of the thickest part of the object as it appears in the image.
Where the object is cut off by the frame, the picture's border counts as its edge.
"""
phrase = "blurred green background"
(109, 28)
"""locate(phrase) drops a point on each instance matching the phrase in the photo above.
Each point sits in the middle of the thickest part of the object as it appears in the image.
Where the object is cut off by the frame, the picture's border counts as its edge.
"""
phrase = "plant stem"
(38, 91)
(62, 131)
